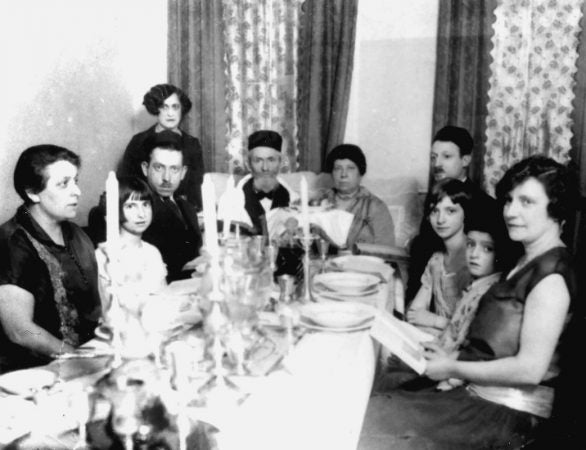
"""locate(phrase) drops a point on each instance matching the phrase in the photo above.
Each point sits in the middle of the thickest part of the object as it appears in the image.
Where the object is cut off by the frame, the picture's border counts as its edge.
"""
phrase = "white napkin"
(231, 206)
(335, 222)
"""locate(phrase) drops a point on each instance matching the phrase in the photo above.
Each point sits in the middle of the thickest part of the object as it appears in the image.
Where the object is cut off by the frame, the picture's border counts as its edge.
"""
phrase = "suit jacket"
(191, 184)
(178, 238)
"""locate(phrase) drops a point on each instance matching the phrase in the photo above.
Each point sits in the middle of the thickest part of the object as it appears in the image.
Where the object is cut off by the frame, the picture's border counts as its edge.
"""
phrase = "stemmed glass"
(323, 246)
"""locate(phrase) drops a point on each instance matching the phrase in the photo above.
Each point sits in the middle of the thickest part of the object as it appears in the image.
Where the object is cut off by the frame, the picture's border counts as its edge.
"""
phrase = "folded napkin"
(231, 206)
(335, 222)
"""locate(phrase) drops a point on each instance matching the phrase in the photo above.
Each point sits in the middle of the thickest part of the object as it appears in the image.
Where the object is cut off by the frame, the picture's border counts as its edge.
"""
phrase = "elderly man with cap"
(263, 189)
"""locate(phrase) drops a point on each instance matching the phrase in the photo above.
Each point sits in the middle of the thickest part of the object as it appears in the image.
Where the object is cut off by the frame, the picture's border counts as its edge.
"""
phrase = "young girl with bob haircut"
(446, 274)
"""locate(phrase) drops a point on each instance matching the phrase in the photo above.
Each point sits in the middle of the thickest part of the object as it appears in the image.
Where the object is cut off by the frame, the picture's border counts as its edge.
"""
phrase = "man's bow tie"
(260, 195)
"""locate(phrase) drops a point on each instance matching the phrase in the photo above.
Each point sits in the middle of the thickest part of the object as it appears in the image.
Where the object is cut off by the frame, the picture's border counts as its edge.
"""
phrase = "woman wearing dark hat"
(372, 221)
(170, 105)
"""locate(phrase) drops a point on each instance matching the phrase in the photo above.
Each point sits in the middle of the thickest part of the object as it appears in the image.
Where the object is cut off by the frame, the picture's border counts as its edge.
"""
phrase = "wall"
(73, 74)
(392, 91)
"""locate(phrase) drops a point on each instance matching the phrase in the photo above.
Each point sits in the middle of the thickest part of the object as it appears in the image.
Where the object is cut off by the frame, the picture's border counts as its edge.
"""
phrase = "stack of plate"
(345, 286)
(336, 316)
(364, 264)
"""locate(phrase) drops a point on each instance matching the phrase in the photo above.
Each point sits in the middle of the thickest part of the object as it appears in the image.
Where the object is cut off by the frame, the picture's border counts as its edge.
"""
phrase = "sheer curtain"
(462, 71)
(531, 84)
(261, 66)
(326, 51)
(196, 65)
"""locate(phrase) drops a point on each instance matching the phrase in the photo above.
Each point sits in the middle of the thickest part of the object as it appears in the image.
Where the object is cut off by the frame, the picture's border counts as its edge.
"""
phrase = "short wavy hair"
(560, 184)
(30, 172)
(154, 98)
(457, 191)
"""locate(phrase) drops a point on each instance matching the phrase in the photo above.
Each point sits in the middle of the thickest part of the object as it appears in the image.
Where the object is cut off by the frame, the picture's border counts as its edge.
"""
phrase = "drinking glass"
(323, 246)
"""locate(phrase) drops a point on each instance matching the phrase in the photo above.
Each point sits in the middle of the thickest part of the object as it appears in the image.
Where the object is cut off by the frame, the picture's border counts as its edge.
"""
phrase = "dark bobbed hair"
(458, 136)
(30, 174)
(165, 140)
(154, 98)
(559, 182)
(486, 216)
(127, 187)
(346, 151)
(457, 191)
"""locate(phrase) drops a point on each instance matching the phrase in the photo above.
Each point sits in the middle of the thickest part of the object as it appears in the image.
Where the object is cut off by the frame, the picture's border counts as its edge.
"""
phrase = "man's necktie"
(260, 195)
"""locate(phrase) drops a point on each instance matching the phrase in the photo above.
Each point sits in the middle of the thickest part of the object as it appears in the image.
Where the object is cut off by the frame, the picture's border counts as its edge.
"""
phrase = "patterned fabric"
(68, 316)
(530, 98)
(446, 287)
(261, 55)
(455, 333)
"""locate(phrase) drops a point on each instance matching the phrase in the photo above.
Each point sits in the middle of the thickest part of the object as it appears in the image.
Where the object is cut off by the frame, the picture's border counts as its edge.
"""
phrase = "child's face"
(447, 218)
(137, 215)
(480, 253)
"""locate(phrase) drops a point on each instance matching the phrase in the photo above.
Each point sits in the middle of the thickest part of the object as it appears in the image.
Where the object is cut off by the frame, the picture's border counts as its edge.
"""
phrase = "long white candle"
(208, 194)
(112, 209)
(304, 207)
(229, 194)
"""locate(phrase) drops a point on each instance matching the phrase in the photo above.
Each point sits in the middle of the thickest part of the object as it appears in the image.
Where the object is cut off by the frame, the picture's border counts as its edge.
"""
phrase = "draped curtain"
(462, 71)
(531, 84)
(326, 51)
(195, 64)
(261, 65)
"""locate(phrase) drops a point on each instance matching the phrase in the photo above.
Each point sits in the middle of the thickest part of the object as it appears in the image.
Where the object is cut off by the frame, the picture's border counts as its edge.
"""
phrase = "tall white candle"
(208, 195)
(229, 194)
(304, 207)
(112, 209)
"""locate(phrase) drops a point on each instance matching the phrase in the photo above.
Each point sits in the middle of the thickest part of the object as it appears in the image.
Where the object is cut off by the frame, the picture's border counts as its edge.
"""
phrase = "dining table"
(315, 397)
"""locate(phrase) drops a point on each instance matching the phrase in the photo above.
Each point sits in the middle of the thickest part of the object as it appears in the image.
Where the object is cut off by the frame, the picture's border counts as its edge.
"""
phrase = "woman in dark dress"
(49, 299)
(511, 362)
(170, 105)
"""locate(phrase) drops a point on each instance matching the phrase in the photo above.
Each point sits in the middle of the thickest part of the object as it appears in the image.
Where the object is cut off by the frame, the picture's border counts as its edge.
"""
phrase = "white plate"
(324, 291)
(337, 316)
(24, 382)
(312, 326)
(363, 264)
(349, 283)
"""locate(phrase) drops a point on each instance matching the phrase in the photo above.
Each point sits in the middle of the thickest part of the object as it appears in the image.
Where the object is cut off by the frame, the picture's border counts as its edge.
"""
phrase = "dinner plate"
(337, 316)
(363, 264)
(323, 290)
(347, 282)
(24, 382)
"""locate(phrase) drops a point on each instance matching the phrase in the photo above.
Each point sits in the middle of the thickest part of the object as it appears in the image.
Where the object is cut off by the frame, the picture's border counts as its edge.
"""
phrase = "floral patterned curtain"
(531, 85)
(261, 59)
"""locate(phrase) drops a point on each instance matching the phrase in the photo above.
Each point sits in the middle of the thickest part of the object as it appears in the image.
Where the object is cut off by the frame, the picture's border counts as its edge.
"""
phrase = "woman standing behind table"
(170, 105)
(511, 362)
(49, 299)
(372, 221)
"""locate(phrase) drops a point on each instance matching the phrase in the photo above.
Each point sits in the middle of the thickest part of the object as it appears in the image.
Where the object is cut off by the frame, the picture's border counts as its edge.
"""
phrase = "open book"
(401, 338)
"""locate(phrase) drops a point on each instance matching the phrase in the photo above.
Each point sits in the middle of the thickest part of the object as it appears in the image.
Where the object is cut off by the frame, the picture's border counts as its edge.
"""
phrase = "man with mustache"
(451, 154)
(263, 190)
(174, 229)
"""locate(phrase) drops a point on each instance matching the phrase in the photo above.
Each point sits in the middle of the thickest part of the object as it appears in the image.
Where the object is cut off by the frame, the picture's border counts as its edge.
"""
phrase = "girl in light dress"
(138, 267)
(446, 274)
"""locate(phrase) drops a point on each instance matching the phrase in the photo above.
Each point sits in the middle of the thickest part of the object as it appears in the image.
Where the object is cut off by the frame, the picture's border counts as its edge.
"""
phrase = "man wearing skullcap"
(170, 105)
(262, 190)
